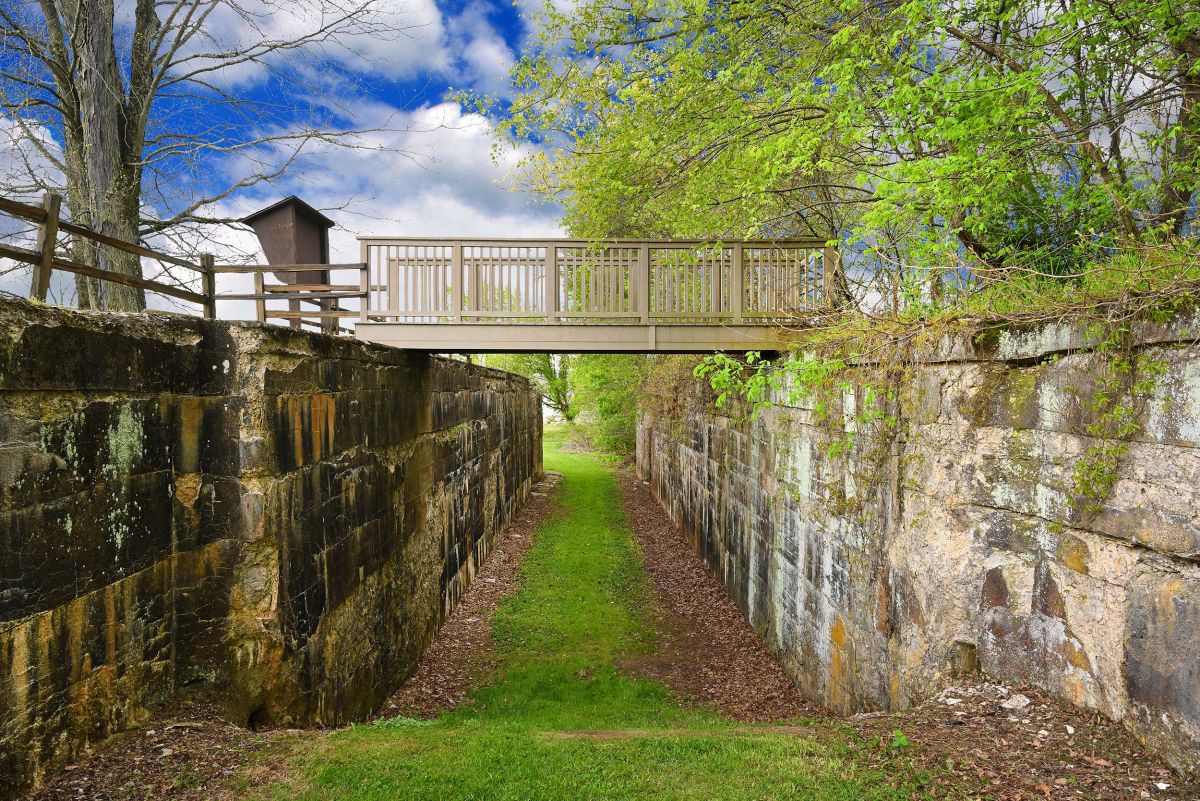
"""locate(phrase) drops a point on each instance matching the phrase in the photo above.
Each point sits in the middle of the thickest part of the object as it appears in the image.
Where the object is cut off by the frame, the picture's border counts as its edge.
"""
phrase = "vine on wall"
(1111, 415)
(823, 376)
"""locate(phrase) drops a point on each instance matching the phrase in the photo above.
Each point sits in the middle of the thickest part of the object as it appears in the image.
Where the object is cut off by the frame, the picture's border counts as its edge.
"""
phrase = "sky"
(429, 169)
(436, 174)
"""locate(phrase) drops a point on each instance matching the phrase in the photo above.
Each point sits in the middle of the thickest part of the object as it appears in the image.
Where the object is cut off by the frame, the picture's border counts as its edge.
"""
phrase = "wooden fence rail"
(325, 295)
(44, 259)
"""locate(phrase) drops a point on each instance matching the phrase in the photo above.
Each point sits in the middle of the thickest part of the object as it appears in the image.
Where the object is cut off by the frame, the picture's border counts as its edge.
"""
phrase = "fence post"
(260, 305)
(829, 268)
(364, 281)
(208, 280)
(456, 282)
(643, 282)
(737, 284)
(473, 285)
(46, 240)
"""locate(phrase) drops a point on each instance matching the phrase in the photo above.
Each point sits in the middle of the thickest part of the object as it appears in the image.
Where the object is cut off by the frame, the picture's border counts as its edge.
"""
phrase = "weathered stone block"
(1162, 657)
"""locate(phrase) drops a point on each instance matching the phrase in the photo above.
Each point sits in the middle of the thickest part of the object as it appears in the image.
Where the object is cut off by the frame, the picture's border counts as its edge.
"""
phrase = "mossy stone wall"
(950, 541)
(281, 518)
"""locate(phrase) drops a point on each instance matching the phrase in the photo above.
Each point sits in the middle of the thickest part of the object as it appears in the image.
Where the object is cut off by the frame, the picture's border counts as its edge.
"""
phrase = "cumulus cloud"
(23, 166)
(396, 40)
(485, 59)
(433, 174)
(26, 148)
(391, 39)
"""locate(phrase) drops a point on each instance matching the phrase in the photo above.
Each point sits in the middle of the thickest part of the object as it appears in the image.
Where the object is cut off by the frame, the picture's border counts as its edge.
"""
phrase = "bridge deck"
(570, 295)
(572, 338)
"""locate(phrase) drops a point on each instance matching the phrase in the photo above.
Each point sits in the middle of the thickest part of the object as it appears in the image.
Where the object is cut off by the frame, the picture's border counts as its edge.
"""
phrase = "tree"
(1026, 135)
(132, 106)
(551, 373)
(609, 386)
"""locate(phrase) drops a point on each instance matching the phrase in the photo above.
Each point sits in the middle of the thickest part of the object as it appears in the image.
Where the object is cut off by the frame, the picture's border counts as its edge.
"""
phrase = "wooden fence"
(45, 258)
(325, 296)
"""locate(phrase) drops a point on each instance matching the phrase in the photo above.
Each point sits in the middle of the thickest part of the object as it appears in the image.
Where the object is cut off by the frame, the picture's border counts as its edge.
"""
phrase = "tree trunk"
(109, 178)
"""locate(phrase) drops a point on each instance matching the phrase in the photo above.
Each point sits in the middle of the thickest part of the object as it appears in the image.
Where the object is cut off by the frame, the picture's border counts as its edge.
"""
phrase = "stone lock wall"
(285, 518)
(951, 546)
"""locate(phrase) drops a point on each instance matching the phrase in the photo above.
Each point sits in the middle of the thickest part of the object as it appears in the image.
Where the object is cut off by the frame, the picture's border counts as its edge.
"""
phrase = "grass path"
(558, 720)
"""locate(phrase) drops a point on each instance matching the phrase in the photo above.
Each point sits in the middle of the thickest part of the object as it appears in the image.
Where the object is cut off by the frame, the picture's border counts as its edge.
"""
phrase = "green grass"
(582, 604)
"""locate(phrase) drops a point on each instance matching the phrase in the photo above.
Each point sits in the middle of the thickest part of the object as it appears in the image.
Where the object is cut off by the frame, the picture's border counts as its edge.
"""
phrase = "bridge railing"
(577, 281)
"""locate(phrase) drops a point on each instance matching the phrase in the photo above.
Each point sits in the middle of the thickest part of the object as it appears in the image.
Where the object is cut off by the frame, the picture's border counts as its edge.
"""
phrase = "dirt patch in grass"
(462, 653)
(981, 748)
(707, 652)
(185, 752)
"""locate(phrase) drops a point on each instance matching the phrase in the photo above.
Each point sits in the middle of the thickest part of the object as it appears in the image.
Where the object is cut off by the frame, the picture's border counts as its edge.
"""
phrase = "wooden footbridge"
(490, 295)
(571, 295)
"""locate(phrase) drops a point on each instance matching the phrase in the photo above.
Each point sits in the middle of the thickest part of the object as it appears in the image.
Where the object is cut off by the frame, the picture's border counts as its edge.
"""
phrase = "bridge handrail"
(551, 280)
(575, 242)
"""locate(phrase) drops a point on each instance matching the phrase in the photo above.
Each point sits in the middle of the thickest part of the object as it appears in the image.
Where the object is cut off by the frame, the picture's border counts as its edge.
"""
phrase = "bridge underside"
(568, 338)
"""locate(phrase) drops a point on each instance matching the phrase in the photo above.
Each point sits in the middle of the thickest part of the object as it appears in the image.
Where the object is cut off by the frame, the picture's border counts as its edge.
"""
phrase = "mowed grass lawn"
(582, 604)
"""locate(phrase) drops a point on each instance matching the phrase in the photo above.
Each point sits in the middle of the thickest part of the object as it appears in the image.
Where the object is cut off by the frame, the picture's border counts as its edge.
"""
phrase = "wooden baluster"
(456, 278)
(393, 281)
(552, 281)
(737, 291)
(642, 281)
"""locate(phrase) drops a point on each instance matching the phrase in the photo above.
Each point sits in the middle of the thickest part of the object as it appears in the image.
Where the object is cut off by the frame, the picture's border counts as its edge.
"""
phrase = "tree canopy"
(980, 136)
(551, 373)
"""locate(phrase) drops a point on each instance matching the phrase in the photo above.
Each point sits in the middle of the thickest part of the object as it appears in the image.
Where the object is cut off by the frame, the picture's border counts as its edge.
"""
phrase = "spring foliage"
(977, 136)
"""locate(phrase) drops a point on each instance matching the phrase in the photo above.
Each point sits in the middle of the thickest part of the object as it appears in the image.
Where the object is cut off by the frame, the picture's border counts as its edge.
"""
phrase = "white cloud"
(23, 165)
(398, 40)
(23, 160)
(394, 39)
(434, 175)
(486, 59)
